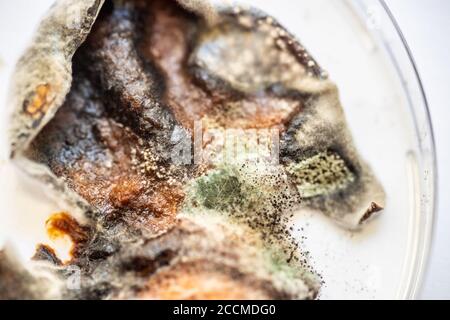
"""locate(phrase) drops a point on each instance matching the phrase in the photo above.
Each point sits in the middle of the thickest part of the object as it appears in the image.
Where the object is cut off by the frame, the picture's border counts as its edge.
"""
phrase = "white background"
(426, 26)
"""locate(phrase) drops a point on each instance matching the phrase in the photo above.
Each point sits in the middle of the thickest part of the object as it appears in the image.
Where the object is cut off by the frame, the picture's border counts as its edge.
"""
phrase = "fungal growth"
(256, 121)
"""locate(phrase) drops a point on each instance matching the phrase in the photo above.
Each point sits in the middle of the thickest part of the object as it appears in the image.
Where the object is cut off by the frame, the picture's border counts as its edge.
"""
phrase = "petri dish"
(361, 46)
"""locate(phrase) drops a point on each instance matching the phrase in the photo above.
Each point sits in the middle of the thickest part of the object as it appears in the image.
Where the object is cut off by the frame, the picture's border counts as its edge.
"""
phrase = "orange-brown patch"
(124, 191)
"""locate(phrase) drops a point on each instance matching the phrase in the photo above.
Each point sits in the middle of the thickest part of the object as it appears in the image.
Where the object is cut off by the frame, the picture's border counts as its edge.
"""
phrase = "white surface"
(426, 26)
(372, 272)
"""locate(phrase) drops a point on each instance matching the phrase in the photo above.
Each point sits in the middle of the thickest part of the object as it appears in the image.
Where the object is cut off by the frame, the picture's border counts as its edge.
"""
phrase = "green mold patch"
(321, 174)
(222, 190)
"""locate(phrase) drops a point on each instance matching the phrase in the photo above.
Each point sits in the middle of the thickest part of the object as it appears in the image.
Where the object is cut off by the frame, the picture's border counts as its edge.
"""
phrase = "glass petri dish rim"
(425, 187)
